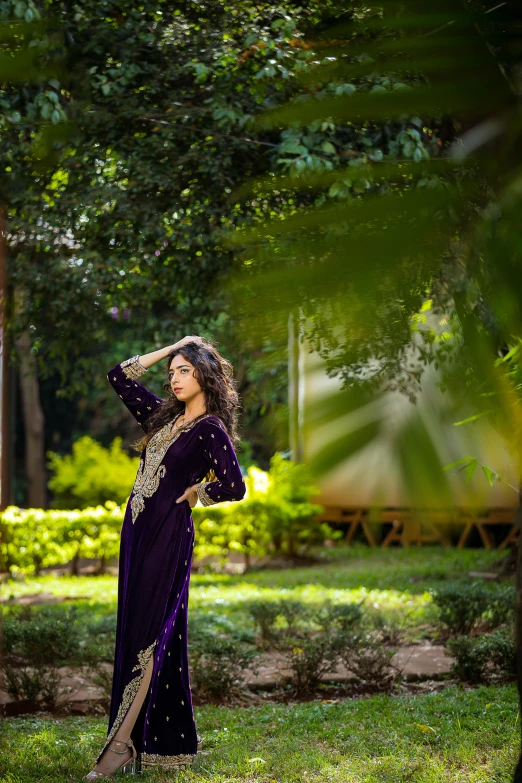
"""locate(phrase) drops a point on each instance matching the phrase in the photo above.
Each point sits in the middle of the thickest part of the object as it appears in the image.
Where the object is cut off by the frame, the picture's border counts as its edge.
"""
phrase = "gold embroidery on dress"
(132, 368)
(201, 491)
(167, 762)
(129, 693)
(150, 469)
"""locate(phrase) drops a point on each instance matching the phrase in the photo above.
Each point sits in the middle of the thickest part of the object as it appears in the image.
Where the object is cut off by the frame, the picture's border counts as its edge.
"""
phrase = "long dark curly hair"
(215, 376)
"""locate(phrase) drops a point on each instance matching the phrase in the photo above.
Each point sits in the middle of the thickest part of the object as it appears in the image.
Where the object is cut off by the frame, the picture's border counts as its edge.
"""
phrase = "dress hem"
(167, 762)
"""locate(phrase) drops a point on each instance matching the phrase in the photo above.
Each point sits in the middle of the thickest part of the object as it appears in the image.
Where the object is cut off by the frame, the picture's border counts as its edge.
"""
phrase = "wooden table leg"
(487, 540)
(465, 535)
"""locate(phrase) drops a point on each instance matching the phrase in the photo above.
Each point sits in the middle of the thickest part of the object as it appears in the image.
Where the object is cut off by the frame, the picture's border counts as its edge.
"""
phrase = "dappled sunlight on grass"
(401, 607)
(395, 582)
(101, 589)
(456, 735)
(413, 569)
(470, 736)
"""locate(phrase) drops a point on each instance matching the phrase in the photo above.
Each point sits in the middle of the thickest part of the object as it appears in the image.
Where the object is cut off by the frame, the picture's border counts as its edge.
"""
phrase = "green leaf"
(327, 146)
(470, 470)
(457, 462)
(471, 419)
(334, 189)
(489, 474)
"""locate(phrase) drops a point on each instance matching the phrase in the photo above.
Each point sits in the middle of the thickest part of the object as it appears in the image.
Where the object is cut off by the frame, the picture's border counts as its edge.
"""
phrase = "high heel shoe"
(128, 766)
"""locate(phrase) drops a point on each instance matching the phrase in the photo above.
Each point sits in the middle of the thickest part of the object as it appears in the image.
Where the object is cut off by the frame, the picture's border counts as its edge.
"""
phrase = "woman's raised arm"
(139, 400)
(123, 378)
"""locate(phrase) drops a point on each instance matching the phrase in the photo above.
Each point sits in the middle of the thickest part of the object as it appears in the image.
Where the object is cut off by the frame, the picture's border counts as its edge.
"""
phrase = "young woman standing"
(187, 454)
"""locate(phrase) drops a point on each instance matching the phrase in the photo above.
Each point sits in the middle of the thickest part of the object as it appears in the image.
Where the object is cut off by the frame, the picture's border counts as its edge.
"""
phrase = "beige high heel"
(128, 766)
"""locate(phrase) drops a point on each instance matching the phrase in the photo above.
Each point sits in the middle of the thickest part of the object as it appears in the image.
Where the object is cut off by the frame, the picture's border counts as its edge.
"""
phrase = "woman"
(188, 440)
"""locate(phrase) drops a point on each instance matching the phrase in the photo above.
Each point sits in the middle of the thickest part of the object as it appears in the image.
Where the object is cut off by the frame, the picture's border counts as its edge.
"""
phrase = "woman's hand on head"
(191, 495)
(191, 338)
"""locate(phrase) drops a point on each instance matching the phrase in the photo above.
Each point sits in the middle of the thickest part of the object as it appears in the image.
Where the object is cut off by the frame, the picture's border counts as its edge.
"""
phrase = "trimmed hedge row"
(33, 539)
(275, 516)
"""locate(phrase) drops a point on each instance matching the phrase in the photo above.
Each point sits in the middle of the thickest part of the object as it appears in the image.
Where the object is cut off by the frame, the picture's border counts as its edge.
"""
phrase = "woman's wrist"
(149, 359)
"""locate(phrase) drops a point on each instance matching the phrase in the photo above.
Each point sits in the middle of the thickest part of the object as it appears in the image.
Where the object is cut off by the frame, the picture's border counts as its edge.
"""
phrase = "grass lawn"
(456, 735)
(395, 582)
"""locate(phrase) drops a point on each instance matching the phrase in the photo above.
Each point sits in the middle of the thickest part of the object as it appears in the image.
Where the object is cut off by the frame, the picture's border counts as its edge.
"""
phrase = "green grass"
(395, 582)
(457, 735)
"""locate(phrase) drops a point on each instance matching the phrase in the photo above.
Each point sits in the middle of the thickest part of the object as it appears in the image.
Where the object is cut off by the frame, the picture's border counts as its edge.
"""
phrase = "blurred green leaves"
(402, 154)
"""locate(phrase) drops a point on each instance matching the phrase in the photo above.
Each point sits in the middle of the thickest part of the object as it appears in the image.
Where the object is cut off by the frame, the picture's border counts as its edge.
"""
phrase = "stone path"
(426, 661)
(416, 661)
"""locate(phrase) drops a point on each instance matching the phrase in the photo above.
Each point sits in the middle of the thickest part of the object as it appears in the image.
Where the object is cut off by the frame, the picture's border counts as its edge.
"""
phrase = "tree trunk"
(73, 565)
(277, 541)
(518, 624)
(5, 428)
(34, 423)
(102, 566)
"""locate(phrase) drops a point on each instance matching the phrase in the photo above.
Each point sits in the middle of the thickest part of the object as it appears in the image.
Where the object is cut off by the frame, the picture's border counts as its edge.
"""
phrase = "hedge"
(275, 516)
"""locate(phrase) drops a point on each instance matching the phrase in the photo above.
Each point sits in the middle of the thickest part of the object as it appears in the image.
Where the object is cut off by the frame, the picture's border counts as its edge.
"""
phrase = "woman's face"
(182, 380)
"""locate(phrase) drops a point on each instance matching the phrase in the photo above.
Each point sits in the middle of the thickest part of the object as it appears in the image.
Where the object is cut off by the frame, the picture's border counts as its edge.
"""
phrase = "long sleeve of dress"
(123, 378)
(219, 455)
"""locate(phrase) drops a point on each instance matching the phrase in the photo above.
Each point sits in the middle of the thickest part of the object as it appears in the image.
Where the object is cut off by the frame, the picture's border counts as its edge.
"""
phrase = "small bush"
(337, 617)
(501, 606)
(281, 621)
(97, 650)
(482, 658)
(471, 658)
(463, 606)
(367, 652)
(36, 644)
(218, 655)
(501, 644)
(296, 615)
(309, 658)
(291, 627)
(278, 619)
(265, 615)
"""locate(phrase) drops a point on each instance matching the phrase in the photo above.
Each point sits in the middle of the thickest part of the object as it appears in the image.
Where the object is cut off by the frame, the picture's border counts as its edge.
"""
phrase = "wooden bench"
(421, 527)
(355, 517)
(481, 521)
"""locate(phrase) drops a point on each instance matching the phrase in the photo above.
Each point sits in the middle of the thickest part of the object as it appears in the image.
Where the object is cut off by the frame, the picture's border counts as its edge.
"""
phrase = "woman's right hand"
(148, 359)
(194, 338)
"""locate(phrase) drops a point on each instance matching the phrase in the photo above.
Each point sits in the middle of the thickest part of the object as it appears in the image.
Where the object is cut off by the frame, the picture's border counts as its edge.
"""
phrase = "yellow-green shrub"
(274, 517)
(34, 538)
(92, 474)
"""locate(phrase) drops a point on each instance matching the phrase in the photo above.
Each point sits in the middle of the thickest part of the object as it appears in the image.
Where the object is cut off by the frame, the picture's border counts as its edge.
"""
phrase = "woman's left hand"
(191, 495)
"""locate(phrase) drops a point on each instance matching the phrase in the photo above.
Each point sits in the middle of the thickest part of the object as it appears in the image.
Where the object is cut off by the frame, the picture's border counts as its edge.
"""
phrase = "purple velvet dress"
(157, 541)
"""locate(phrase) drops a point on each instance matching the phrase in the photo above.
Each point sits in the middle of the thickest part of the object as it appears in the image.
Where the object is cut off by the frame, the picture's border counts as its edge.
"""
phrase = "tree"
(441, 233)
(119, 206)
